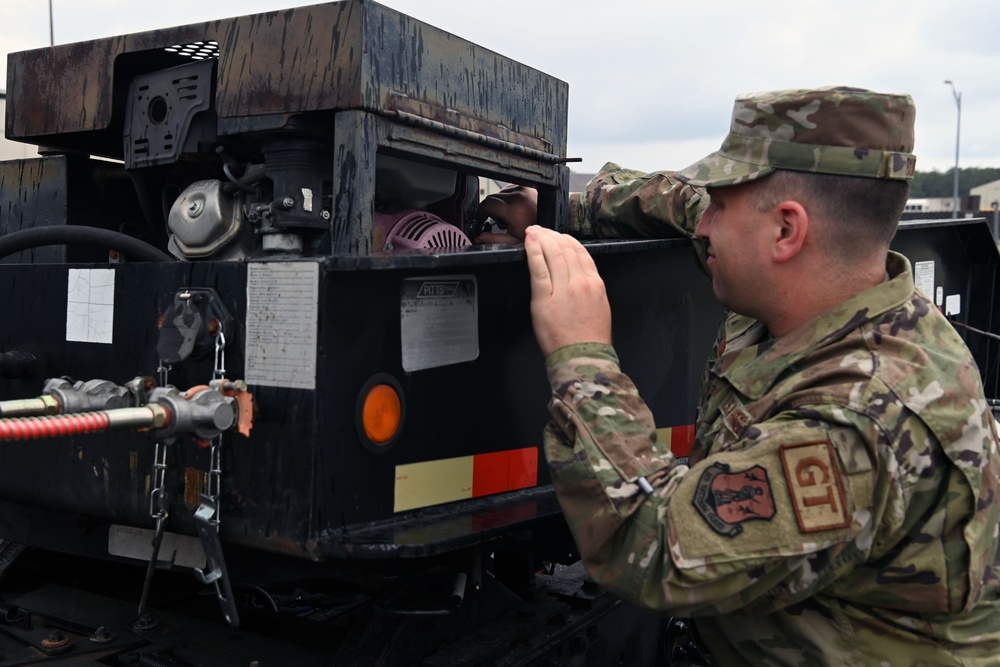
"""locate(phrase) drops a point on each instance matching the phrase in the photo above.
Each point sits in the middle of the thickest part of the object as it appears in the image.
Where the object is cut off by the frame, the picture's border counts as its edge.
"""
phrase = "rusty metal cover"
(354, 54)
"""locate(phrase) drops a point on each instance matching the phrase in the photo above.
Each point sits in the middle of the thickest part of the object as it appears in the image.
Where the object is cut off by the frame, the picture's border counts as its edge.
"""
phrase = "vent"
(415, 230)
(196, 50)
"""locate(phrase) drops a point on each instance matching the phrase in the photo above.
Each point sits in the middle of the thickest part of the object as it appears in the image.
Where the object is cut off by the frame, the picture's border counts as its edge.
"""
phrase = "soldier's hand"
(516, 206)
(568, 301)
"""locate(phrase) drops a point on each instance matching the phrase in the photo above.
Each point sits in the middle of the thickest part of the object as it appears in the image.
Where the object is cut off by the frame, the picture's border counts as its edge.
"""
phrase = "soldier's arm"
(780, 516)
(625, 203)
(617, 203)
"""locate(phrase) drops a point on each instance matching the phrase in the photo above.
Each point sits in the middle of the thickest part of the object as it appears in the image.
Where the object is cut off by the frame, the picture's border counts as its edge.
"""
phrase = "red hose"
(22, 428)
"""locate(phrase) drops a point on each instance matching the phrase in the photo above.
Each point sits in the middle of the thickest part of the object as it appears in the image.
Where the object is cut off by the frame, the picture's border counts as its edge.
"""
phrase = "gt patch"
(815, 485)
(727, 499)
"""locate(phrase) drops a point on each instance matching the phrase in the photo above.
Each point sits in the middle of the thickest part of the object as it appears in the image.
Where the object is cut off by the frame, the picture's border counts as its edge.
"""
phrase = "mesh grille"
(196, 50)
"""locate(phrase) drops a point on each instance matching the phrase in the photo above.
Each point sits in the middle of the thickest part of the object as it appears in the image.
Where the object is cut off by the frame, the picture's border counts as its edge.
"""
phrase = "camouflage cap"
(836, 130)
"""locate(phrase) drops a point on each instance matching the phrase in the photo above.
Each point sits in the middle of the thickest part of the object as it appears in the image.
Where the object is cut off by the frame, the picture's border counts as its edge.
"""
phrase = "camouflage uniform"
(839, 507)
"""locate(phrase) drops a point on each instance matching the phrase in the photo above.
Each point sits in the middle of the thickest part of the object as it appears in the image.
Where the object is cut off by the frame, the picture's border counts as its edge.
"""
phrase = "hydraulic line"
(29, 407)
(29, 428)
(63, 234)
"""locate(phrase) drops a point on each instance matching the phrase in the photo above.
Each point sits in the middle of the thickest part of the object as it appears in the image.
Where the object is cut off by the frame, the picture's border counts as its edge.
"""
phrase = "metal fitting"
(86, 396)
(205, 414)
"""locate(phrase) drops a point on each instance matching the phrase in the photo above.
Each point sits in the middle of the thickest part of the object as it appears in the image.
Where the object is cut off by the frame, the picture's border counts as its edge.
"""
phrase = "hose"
(64, 234)
(145, 417)
(21, 428)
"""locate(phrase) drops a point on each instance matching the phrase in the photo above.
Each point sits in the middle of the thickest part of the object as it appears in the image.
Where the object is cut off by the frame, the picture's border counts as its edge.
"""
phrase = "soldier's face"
(735, 234)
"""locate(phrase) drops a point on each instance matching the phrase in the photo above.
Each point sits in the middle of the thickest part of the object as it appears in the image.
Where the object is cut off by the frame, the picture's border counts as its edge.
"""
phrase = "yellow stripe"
(433, 482)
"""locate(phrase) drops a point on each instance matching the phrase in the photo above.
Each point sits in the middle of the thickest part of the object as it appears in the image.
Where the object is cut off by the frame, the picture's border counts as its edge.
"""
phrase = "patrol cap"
(835, 130)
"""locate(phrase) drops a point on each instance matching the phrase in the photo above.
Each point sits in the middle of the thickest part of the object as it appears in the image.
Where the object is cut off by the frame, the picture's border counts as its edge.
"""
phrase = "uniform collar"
(752, 361)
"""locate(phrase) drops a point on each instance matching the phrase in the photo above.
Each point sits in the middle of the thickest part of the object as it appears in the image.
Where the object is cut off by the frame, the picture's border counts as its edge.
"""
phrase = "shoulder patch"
(815, 485)
(727, 499)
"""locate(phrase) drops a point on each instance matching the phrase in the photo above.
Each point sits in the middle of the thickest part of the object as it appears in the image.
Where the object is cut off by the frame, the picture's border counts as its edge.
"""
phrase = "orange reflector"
(381, 413)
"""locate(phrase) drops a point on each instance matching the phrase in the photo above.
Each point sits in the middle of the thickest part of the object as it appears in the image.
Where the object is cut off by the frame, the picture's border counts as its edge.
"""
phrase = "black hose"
(63, 234)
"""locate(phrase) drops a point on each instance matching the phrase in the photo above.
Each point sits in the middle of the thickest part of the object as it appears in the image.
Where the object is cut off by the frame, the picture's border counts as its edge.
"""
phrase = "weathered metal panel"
(354, 54)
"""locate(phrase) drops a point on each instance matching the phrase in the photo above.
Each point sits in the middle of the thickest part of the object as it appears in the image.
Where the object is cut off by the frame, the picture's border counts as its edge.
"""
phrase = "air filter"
(412, 230)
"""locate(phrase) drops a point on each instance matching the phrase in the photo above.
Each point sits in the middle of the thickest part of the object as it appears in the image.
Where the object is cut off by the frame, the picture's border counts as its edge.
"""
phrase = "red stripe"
(504, 471)
(681, 439)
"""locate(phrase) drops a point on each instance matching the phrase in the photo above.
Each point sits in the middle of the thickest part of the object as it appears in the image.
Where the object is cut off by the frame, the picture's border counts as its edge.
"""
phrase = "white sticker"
(131, 542)
(939, 296)
(953, 304)
(923, 277)
(307, 199)
(282, 302)
(90, 305)
(439, 321)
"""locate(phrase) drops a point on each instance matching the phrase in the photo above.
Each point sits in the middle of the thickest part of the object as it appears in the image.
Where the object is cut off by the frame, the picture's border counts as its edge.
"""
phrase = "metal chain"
(215, 455)
(159, 510)
(215, 478)
(220, 362)
(162, 371)
(157, 500)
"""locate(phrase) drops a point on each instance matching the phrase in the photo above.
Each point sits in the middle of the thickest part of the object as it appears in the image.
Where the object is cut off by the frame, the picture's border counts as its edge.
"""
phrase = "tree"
(927, 184)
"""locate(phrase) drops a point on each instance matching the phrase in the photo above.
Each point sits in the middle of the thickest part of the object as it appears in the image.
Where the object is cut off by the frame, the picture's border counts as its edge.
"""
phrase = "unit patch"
(815, 485)
(727, 499)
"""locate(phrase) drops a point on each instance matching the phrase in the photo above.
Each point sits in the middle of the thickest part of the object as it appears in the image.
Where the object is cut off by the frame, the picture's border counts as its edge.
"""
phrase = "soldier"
(839, 506)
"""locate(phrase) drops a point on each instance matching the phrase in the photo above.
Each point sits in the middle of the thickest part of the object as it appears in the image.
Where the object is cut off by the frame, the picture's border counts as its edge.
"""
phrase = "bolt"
(288, 202)
(145, 622)
(325, 215)
(101, 636)
(212, 327)
(56, 639)
(195, 207)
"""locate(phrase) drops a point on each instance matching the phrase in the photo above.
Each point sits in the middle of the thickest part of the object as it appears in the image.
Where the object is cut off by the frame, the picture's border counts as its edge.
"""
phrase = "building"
(10, 150)
(989, 195)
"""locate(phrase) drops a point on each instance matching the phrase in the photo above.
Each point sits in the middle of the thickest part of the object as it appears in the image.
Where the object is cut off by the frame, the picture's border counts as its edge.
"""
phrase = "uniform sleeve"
(624, 203)
(756, 528)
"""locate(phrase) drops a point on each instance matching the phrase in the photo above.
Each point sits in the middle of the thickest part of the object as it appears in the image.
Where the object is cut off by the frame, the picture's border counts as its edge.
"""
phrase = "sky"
(651, 82)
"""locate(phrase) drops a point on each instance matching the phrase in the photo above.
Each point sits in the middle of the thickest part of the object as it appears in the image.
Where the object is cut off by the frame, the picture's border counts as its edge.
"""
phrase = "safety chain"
(162, 370)
(215, 453)
(215, 477)
(157, 499)
(159, 510)
(220, 365)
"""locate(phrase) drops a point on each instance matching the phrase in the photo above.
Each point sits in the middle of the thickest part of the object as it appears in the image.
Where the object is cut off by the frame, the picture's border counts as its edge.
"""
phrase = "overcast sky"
(652, 81)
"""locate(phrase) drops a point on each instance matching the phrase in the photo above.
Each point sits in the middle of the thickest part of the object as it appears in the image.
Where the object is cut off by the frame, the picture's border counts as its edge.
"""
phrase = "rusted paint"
(195, 484)
(353, 54)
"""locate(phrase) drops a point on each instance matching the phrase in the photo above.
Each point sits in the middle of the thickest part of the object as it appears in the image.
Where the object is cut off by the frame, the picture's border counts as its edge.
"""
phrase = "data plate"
(439, 321)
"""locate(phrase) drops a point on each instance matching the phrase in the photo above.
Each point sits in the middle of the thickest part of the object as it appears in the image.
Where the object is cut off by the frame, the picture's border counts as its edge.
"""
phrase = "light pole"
(958, 133)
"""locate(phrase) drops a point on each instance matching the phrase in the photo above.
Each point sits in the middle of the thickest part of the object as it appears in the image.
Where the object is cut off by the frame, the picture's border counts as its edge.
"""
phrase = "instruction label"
(90, 305)
(439, 321)
(923, 278)
(282, 302)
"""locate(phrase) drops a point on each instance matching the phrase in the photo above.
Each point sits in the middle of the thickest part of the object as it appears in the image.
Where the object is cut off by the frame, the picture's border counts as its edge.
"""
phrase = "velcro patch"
(727, 499)
(815, 485)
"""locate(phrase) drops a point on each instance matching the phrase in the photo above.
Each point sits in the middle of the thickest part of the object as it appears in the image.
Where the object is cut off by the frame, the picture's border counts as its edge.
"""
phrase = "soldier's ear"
(791, 226)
